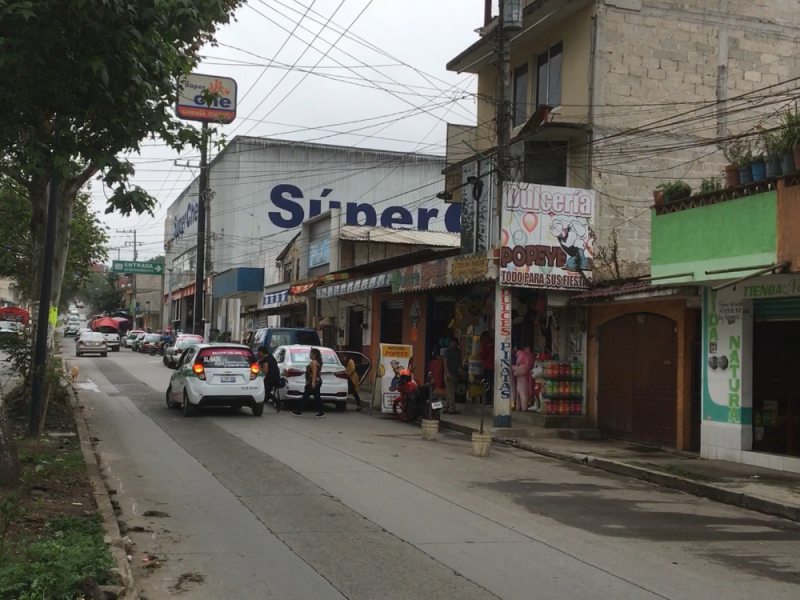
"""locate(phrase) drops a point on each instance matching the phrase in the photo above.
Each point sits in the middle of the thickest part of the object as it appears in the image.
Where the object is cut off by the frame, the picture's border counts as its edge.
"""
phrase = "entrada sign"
(140, 268)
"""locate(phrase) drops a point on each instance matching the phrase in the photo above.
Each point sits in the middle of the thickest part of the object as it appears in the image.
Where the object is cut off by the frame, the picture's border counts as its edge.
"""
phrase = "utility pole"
(199, 293)
(135, 245)
(509, 18)
(118, 251)
(43, 321)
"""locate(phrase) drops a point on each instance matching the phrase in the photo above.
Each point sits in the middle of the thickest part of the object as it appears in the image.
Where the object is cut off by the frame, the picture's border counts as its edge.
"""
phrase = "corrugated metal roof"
(387, 235)
(625, 289)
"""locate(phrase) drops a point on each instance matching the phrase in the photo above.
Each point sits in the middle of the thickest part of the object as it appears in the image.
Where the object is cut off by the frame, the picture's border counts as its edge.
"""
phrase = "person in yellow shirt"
(352, 380)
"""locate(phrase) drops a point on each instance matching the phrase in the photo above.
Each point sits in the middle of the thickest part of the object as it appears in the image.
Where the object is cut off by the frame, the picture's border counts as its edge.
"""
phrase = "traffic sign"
(139, 268)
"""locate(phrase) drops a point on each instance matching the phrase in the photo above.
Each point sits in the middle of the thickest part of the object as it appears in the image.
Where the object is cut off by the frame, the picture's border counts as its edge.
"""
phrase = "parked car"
(91, 342)
(292, 362)
(172, 353)
(138, 341)
(274, 337)
(216, 375)
(131, 337)
(72, 327)
(10, 327)
(81, 331)
(148, 341)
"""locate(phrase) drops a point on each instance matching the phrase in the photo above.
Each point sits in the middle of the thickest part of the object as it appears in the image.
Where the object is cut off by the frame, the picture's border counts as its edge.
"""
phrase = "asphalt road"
(360, 508)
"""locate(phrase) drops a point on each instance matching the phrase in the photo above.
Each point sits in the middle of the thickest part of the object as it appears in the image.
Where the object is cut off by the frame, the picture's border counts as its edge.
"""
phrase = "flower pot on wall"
(658, 197)
(759, 170)
(773, 165)
(787, 163)
(732, 176)
(745, 174)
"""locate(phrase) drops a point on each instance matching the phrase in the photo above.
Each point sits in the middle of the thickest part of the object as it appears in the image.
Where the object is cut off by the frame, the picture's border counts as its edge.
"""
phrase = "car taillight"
(341, 374)
(199, 370)
(254, 369)
(291, 372)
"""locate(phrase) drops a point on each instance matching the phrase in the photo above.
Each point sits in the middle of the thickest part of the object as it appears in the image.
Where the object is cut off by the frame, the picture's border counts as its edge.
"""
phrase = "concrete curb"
(667, 480)
(103, 500)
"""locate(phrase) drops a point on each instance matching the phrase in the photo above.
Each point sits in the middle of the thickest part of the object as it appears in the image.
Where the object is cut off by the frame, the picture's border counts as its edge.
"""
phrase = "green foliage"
(18, 352)
(88, 240)
(773, 143)
(710, 185)
(790, 132)
(675, 190)
(53, 566)
(114, 88)
(738, 152)
(102, 292)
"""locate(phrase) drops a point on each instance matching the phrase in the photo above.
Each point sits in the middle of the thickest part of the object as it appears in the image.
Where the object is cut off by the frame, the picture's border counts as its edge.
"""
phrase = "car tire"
(189, 409)
(78, 354)
(341, 406)
(164, 360)
(104, 354)
(258, 409)
(170, 402)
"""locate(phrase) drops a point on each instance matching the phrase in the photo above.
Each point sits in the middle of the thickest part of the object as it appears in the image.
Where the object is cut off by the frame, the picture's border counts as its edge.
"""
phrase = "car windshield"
(301, 356)
(8, 325)
(225, 358)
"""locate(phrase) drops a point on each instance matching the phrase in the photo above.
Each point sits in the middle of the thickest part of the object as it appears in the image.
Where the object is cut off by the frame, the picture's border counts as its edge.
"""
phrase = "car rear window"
(92, 337)
(152, 337)
(185, 343)
(302, 357)
(225, 358)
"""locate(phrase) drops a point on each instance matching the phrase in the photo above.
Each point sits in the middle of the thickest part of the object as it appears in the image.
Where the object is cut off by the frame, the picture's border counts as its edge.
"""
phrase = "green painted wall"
(730, 234)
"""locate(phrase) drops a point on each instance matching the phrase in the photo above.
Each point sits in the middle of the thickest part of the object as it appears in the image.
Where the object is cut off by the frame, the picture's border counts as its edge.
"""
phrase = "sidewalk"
(765, 490)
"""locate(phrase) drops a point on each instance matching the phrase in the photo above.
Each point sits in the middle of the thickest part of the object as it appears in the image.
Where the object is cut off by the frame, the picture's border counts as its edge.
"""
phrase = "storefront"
(751, 403)
(545, 258)
(433, 302)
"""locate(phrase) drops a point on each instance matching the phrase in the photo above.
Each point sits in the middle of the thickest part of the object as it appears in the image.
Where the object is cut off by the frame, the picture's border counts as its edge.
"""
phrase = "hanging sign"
(206, 98)
(441, 273)
(502, 357)
(546, 238)
(393, 359)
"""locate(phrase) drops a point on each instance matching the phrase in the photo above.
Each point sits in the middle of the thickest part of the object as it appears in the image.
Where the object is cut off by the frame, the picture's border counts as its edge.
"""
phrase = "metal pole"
(40, 349)
(483, 402)
(201, 233)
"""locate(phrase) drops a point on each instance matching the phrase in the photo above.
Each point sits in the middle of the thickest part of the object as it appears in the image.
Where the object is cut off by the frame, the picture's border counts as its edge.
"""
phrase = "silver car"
(91, 342)
(173, 353)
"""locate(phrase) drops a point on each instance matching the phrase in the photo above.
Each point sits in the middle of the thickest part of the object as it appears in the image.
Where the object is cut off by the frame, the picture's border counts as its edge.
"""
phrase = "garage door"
(637, 380)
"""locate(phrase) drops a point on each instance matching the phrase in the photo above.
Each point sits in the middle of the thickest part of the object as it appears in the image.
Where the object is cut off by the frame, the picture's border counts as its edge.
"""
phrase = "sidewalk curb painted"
(103, 500)
(675, 482)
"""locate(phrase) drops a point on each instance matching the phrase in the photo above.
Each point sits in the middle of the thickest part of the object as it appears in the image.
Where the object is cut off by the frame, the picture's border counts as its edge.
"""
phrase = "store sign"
(354, 286)
(502, 357)
(441, 273)
(206, 98)
(319, 253)
(546, 237)
(274, 298)
(393, 359)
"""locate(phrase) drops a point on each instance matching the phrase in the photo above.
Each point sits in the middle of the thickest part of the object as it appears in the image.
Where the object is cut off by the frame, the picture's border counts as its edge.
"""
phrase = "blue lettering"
(314, 208)
(225, 102)
(403, 217)
(452, 218)
(353, 211)
(424, 216)
(283, 203)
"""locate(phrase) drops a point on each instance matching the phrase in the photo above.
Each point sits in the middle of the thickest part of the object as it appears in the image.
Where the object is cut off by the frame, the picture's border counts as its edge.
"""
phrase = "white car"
(72, 327)
(112, 339)
(91, 342)
(217, 375)
(292, 362)
(12, 327)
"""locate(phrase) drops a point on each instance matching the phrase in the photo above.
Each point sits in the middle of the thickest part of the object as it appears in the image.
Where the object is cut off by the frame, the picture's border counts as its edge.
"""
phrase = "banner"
(502, 357)
(393, 359)
(546, 238)
(456, 270)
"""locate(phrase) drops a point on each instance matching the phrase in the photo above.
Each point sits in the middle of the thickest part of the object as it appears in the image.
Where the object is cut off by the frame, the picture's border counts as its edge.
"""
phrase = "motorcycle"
(416, 399)
(158, 348)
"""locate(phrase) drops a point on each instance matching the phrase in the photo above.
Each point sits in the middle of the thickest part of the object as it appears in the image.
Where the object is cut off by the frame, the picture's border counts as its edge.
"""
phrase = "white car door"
(178, 380)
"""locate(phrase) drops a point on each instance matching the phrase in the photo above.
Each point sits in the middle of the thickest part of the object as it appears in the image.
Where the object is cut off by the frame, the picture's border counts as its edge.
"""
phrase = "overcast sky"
(407, 42)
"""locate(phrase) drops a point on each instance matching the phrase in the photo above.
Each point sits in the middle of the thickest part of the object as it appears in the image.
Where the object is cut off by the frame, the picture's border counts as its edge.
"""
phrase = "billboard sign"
(206, 98)
(546, 237)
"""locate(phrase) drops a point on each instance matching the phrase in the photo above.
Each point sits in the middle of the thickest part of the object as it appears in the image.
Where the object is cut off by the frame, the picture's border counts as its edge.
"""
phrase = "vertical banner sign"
(394, 358)
(502, 356)
(546, 237)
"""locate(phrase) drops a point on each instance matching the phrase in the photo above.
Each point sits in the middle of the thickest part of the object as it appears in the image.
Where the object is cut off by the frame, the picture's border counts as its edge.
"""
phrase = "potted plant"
(658, 196)
(791, 139)
(734, 154)
(711, 185)
(773, 148)
(758, 165)
(675, 190)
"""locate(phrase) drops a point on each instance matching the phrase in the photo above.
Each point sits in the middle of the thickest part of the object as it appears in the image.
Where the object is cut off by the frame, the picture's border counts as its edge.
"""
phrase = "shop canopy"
(105, 322)
(15, 314)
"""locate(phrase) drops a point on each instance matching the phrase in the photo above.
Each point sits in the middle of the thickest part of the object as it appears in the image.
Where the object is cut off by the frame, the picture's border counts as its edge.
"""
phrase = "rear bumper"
(248, 401)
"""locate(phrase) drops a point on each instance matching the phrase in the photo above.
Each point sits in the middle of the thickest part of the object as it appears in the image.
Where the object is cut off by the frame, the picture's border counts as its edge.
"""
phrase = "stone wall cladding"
(662, 61)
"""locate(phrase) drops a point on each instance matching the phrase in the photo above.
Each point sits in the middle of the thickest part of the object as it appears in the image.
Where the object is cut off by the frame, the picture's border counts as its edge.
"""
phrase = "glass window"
(548, 76)
(546, 163)
(302, 356)
(520, 95)
(225, 358)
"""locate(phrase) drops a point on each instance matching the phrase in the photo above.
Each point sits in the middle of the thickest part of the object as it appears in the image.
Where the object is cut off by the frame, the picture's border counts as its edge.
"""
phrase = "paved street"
(360, 508)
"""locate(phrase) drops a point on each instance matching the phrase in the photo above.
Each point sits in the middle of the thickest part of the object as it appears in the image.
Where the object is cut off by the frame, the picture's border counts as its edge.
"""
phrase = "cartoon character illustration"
(396, 367)
(537, 377)
(522, 373)
(573, 236)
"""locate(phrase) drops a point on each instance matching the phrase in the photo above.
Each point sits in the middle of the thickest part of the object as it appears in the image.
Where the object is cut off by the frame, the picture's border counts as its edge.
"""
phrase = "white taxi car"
(292, 363)
(217, 375)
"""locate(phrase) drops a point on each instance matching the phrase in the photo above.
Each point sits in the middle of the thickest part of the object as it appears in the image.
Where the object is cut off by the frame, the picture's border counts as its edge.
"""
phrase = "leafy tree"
(87, 244)
(102, 292)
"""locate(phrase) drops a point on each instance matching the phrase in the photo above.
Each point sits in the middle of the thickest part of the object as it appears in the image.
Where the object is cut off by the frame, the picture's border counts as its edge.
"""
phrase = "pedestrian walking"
(452, 367)
(313, 384)
(272, 376)
(353, 383)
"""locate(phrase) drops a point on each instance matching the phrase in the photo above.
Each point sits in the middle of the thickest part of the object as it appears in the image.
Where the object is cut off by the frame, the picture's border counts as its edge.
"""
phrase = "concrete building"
(9, 296)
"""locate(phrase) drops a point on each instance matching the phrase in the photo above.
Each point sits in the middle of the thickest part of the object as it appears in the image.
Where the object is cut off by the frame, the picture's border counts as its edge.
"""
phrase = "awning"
(302, 289)
(355, 286)
(274, 298)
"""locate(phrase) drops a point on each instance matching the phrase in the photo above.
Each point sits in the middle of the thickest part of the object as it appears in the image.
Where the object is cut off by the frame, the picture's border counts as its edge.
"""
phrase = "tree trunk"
(9, 459)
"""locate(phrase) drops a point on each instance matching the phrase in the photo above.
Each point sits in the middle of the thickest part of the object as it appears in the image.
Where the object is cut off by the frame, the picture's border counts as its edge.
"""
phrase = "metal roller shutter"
(777, 309)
